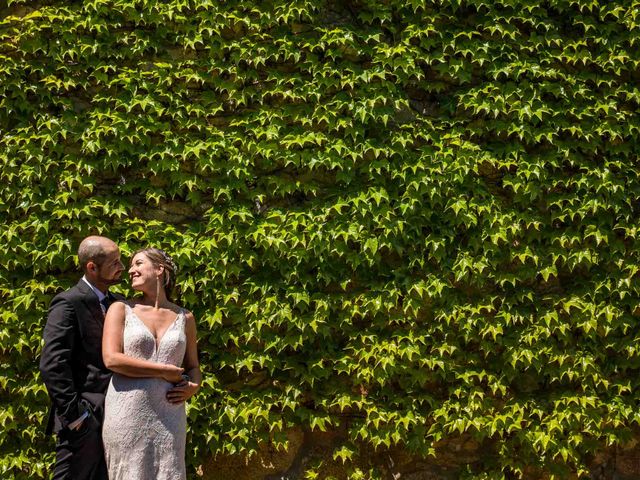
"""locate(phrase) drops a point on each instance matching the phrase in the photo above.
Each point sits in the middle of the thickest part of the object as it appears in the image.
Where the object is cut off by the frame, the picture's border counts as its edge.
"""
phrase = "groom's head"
(99, 259)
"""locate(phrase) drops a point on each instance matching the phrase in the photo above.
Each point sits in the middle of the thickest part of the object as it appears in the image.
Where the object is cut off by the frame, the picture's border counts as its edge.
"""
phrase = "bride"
(150, 345)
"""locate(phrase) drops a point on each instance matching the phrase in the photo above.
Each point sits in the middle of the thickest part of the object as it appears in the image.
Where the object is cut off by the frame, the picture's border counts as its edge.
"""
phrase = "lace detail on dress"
(144, 435)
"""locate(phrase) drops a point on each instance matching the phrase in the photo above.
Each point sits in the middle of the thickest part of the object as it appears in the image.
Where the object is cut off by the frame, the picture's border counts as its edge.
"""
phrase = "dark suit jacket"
(71, 364)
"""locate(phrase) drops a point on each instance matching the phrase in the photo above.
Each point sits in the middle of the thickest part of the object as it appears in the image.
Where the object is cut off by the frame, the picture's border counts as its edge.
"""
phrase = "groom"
(72, 366)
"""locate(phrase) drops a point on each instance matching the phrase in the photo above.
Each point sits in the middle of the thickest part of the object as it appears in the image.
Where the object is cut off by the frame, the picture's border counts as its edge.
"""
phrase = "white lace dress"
(144, 435)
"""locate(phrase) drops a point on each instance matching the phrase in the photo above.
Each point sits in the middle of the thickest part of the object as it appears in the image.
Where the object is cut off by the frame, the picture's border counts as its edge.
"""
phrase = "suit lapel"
(90, 299)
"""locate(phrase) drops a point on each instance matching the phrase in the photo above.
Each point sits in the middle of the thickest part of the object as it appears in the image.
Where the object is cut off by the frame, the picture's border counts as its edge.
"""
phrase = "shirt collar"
(95, 290)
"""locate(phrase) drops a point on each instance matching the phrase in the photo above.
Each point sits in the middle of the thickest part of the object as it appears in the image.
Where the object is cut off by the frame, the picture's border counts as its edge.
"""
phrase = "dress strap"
(128, 312)
(183, 315)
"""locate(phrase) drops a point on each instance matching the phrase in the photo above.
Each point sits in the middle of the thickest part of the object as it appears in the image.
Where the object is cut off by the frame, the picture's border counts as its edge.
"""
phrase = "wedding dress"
(144, 435)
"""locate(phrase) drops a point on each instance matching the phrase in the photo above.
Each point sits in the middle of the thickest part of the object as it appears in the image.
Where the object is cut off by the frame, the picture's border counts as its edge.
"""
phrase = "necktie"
(105, 302)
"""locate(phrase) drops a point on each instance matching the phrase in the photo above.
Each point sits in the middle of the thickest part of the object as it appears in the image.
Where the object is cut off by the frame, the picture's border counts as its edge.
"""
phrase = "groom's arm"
(55, 364)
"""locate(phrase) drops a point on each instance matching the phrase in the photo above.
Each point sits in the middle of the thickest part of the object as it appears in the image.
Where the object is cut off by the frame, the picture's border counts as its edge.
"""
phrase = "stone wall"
(312, 452)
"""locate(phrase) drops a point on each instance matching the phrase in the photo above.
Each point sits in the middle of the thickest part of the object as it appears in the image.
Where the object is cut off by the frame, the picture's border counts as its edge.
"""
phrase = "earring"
(157, 290)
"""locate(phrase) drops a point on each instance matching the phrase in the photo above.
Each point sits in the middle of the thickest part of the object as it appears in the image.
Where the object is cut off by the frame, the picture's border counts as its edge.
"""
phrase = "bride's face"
(142, 273)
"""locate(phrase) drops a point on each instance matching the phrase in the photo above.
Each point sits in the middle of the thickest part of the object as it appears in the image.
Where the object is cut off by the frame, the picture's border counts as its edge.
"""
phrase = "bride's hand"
(172, 374)
(182, 391)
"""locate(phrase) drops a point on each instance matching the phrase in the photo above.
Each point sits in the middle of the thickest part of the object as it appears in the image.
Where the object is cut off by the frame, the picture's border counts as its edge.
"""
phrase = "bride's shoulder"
(126, 305)
(117, 308)
(188, 315)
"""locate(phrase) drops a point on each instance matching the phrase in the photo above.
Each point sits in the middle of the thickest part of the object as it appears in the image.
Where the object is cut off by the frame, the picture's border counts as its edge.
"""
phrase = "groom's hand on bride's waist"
(182, 391)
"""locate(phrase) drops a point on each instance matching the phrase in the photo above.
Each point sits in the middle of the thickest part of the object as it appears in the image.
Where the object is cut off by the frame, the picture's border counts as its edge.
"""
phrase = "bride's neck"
(155, 301)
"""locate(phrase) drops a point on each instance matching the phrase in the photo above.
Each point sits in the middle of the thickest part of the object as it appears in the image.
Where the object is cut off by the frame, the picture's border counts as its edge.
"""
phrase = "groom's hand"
(181, 392)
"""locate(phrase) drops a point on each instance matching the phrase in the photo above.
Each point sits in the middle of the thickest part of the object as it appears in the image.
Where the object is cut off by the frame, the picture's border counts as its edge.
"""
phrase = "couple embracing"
(119, 371)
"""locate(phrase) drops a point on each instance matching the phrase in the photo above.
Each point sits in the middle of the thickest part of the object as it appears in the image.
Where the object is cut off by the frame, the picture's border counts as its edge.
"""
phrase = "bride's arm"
(188, 388)
(114, 358)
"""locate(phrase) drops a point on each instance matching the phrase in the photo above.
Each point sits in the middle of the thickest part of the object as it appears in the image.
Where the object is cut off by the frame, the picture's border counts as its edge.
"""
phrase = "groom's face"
(110, 271)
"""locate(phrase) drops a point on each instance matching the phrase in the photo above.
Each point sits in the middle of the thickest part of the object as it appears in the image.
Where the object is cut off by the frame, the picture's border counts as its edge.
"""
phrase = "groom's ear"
(91, 267)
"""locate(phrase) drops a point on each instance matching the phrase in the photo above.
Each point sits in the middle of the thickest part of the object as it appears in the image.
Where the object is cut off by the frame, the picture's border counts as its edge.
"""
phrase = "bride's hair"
(161, 258)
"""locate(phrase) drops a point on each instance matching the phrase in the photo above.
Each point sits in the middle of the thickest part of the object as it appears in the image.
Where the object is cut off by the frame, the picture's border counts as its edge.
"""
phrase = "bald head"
(95, 249)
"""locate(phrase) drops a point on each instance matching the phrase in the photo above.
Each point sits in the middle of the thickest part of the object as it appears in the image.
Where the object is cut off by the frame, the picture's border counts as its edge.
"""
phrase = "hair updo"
(159, 258)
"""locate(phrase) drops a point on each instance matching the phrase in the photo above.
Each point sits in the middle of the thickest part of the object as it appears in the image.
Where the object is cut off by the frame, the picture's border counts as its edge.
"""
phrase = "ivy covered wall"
(402, 223)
